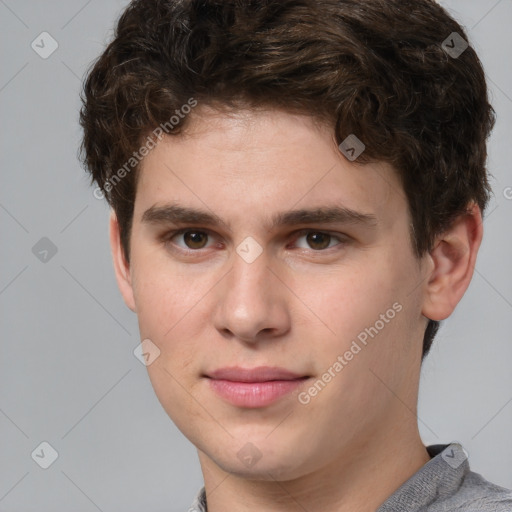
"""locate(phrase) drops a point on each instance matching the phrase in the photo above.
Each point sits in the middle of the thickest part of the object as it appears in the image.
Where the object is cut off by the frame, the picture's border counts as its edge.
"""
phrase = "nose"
(251, 303)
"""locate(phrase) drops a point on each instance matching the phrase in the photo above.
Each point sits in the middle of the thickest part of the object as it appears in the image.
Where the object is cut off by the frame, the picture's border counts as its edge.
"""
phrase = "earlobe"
(454, 258)
(121, 267)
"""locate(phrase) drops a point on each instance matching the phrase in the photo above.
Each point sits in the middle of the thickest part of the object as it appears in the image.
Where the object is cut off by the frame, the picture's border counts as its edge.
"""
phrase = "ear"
(121, 267)
(452, 262)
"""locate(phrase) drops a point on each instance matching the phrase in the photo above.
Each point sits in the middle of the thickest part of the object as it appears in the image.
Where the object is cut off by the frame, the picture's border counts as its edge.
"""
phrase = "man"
(297, 190)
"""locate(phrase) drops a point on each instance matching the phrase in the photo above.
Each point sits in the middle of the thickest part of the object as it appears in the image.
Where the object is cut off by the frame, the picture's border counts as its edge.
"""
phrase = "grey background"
(68, 375)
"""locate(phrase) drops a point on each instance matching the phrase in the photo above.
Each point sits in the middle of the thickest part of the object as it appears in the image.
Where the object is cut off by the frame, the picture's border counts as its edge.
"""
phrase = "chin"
(262, 460)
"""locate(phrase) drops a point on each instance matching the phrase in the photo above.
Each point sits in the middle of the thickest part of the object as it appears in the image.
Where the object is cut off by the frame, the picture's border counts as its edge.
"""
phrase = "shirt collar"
(440, 477)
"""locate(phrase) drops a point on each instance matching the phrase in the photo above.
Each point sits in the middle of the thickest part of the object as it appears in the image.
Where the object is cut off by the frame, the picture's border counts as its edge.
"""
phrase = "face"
(248, 283)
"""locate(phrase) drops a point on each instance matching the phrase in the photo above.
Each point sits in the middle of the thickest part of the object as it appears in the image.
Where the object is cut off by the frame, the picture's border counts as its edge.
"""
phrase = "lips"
(258, 374)
(254, 387)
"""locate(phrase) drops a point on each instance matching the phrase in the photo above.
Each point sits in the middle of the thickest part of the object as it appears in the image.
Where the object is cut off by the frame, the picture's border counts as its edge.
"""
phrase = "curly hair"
(374, 68)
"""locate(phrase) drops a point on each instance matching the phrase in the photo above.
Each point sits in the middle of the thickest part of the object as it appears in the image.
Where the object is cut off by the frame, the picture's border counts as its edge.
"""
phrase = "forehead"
(262, 162)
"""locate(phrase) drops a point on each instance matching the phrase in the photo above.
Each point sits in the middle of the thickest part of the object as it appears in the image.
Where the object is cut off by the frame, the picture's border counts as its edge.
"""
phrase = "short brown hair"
(374, 68)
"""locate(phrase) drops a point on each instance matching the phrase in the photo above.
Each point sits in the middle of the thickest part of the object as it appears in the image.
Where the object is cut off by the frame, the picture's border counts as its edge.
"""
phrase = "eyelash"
(167, 237)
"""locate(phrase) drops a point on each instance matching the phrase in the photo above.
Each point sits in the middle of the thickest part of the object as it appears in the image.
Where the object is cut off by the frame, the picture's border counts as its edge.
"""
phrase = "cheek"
(166, 303)
(366, 316)
(162, 294)
(351, 299)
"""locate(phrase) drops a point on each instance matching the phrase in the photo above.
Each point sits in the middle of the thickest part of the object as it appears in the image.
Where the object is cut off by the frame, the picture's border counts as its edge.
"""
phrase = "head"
(238, 109)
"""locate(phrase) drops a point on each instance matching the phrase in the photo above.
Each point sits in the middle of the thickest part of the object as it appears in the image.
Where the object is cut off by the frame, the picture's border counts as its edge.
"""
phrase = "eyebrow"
(177, 214)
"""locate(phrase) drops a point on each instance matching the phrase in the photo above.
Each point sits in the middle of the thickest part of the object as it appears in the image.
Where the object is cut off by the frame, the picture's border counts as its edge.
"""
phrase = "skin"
(298, 305)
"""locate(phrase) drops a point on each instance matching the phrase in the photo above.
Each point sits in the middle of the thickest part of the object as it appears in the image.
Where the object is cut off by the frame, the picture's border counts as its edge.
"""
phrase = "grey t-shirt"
(444, 484)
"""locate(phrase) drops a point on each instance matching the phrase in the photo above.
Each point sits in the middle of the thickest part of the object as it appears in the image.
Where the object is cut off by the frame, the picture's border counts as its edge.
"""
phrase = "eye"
(194, 239)
(318, 240)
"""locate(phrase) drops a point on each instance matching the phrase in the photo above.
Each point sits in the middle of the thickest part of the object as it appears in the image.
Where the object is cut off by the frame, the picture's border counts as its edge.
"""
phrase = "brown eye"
(195, 239)
(318, 241)
(186, 239)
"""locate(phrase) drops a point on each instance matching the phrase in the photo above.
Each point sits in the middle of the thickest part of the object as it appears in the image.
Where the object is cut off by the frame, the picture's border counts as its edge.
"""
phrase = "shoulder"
(447, 484)
(476, 494)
